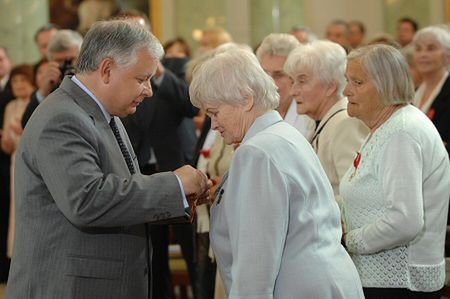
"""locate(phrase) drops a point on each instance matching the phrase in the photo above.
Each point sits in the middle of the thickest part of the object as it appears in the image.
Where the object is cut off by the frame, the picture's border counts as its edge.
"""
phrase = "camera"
(67, 68)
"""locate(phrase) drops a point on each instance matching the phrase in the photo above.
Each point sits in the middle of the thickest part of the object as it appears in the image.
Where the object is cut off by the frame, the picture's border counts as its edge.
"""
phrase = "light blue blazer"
(275, 225)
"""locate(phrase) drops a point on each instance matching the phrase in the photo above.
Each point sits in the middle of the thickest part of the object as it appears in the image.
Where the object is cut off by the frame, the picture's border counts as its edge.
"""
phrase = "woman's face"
(22, 87)
(229, 120)
(430, 56)
(363, 99)
(310, 95)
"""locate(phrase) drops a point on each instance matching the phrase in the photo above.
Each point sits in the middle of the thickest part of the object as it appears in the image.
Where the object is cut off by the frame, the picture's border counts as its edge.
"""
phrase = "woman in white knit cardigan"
(396, 194)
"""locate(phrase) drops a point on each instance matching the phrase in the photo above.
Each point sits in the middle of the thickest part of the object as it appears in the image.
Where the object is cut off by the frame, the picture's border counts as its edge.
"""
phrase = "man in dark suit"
(5, 97)
(154, 132)
(83, 206)
(64, 47)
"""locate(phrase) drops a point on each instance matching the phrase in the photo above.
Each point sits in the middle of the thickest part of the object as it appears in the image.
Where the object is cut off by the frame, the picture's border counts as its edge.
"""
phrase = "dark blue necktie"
(122, 146)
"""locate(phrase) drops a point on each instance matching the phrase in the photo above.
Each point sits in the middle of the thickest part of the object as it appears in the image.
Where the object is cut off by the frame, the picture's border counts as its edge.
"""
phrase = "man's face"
(128, 86)
(5, 64)
(337, 33)
(42, 41)
(405, 33)
(60, 57)
(273, 66)
(356, 36)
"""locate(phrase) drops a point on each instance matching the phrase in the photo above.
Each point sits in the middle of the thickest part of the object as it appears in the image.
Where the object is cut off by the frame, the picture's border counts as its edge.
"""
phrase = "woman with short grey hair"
(275, 227)
(395, 196)
(318, 72)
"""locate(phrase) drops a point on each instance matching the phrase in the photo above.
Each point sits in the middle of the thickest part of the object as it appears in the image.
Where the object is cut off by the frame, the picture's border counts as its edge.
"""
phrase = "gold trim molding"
(156, 17)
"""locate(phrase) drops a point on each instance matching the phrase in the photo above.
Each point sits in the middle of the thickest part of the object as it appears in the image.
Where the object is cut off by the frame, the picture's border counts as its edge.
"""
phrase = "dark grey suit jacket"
(80, 215)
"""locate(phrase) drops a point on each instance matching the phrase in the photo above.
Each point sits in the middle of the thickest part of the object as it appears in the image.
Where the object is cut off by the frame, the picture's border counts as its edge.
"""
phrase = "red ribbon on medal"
(357, 160)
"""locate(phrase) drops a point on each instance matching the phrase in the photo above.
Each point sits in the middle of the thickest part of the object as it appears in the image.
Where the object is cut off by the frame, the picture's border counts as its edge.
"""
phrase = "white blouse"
(396, 204)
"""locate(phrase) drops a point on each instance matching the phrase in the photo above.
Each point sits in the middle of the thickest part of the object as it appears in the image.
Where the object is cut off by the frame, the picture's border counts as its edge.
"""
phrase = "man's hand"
(48, 77)
(16, 127)
(195, 183)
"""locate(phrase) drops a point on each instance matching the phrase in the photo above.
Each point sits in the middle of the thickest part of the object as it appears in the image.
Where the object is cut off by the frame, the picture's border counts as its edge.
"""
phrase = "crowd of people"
(304, 168)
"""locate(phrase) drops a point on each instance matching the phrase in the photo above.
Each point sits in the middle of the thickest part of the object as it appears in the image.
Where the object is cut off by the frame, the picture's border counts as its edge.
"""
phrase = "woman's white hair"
(387, 68)
(277, 44)
(230, 77)
(439, 33)
(324, 59)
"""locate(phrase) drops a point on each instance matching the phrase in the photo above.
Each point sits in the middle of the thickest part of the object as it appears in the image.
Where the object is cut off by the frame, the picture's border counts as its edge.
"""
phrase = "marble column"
(19, 20)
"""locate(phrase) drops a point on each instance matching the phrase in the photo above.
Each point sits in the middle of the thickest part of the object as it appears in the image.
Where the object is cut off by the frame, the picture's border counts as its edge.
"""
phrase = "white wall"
(318, 13)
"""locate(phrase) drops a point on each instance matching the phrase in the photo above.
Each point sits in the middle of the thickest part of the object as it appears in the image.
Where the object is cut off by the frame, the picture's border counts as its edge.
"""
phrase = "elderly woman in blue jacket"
(275, 226)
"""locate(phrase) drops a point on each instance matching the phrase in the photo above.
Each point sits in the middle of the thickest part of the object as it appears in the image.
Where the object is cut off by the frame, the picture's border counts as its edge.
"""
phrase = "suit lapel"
(442, 98)
(84, 101)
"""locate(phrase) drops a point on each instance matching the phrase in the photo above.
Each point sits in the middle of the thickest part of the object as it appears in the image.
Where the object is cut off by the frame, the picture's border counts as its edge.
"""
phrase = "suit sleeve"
(87, 191)
(258, 221)
(401, 180)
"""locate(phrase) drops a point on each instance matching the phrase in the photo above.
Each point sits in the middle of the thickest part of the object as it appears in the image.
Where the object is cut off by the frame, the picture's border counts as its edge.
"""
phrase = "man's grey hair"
(387, 68)
(64, 40)
(116, 39)
(230, 77)
(326, 60)
(277, 44)
(438, 33)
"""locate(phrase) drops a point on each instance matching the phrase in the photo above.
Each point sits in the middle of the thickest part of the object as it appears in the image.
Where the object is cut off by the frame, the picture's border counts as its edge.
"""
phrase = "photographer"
(63, 51)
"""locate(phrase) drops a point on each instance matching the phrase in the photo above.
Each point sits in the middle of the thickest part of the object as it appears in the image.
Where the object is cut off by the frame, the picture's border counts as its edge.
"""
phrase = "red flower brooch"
(355, 164)
(357, 160)
(205, 153)
(431, 112)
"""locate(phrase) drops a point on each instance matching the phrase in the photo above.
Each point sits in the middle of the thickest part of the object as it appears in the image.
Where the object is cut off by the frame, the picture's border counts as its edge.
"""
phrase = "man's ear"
(105, 68)
(249, 103)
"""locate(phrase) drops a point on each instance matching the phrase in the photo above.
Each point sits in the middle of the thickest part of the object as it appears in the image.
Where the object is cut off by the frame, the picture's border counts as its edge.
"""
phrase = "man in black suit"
(63, 48)
(154, 131)
(5, 97)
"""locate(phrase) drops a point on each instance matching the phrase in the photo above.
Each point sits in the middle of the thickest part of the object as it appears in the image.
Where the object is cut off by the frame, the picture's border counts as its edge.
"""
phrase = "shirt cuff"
(185, 202)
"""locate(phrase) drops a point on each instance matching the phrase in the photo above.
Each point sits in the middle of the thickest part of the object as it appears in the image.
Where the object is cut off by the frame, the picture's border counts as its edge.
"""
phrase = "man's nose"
(148, 90)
